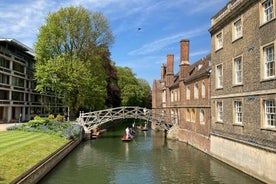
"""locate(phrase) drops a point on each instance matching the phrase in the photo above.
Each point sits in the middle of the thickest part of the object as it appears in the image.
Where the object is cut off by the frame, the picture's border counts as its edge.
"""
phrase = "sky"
(145, 31)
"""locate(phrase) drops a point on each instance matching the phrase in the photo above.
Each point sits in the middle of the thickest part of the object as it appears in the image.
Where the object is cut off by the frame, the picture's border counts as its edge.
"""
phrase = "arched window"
(193, 115)
(188, 93)
(196, 90)
(202, 116)
(188, 115)
(203, 90)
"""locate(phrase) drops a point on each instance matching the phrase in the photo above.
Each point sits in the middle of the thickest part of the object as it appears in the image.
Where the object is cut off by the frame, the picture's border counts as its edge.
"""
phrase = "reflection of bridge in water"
(91, 120)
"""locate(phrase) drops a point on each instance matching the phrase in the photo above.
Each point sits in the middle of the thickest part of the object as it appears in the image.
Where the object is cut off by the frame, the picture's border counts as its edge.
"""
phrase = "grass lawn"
(20, 150)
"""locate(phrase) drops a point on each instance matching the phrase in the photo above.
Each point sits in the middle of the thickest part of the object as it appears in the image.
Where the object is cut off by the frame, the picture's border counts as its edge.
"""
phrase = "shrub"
(51, 126)
(51, 116)
(60, 118)
(37, 117)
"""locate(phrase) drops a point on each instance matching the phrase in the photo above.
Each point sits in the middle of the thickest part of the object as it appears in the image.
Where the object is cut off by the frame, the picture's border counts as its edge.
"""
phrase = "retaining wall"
(37, 172)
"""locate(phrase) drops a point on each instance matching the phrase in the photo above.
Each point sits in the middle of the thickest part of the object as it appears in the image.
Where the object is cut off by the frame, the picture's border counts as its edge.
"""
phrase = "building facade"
(243, 87)
(18, 97)
(185, 95)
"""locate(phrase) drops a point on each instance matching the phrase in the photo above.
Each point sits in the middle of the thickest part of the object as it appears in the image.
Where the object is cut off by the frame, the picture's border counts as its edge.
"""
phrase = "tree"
(134, 92)
(68, 55)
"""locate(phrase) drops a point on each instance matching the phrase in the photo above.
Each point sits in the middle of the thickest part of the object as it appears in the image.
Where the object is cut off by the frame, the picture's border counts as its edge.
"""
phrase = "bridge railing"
(92, 120)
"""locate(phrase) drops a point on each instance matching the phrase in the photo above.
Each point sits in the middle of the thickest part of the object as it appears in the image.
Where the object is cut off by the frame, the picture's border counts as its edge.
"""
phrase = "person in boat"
(145, 126)
(127, 133)
(133, 125)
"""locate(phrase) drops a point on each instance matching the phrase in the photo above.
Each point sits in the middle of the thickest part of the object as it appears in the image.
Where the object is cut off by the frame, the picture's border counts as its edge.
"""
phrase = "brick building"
(186, 95)
(17, 85)
(243, 93)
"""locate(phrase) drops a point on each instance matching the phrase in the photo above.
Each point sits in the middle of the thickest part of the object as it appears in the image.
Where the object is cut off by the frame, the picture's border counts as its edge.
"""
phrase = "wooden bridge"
(91, 120)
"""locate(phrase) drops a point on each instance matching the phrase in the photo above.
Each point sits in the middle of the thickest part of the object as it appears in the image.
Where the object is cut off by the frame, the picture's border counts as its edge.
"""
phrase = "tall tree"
(68, 57)
(134, 92)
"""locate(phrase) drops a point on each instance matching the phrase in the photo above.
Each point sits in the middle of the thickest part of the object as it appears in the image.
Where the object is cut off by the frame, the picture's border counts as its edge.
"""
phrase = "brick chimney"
(163, 71)
(184, 58)
(169, 72)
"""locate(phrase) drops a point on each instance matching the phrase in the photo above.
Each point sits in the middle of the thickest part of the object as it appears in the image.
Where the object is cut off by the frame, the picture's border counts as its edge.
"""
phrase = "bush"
(60, 118)
(52, 126)
(51, 116)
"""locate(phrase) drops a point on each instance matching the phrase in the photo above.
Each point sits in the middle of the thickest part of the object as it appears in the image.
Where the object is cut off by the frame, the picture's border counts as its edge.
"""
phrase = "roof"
(199, 69)
(18, 45)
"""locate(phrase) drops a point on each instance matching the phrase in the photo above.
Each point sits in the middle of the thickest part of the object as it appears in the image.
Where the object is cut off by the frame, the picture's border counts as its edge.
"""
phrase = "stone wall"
(260, 163)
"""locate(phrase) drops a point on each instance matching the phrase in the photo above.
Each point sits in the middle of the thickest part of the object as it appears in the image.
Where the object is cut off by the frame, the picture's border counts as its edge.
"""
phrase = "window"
(192, 115)
(172, 97)
(268, 13)
(237, 30)
(17, 96)
(238, 70)
(188, 93)
(269, 62)
(203, 90)
(219, 111)
(196, 90)
(219, 76)
(4, 95)
(18, 67)
(202, 116)
(17, 81)
(269, 114)
(164, 96)
(238, 112)
(188, 115)
(4, 63)
(219, 41)
(4, 79)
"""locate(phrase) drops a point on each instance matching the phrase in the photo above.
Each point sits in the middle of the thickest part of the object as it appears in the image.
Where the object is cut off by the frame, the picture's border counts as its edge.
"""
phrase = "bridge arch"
(91, 120)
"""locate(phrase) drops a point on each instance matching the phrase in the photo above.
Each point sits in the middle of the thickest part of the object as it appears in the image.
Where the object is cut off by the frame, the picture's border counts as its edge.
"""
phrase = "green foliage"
(37, 117)
(134, 92)
(69, 53)
(60, 118)
(50, 126)
(51, 116)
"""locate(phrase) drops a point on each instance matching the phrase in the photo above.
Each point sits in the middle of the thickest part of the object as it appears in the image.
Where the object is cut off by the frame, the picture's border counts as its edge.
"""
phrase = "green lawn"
(20, 150)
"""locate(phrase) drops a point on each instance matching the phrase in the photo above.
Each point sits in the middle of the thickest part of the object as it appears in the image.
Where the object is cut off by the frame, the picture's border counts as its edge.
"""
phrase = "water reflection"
(148, 159)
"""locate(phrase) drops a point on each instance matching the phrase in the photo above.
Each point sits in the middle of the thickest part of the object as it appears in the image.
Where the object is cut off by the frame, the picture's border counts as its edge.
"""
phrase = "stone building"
(185, 95)
(17, 84)
(243, 87)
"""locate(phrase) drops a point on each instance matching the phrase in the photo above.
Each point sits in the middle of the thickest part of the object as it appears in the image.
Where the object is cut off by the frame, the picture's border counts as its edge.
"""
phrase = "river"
(149, 159)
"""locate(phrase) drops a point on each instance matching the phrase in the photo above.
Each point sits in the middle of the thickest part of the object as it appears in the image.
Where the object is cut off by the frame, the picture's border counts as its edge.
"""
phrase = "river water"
(149, 159)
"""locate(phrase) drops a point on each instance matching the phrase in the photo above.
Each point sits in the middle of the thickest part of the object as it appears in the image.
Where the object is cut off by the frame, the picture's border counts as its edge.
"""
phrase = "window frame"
(196, 91)
(188, 115)
(264, 62)
(236, 71)
(219, 41)
(219, 111)
(219, 76)
(237, 34)
(188, 93)
(202, 116)
(238, 115)
(263, 14)
(203, 90)
(265, 114)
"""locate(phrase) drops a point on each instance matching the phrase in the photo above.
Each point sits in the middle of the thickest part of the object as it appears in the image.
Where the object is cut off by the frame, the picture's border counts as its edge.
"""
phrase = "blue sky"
(163, 24)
